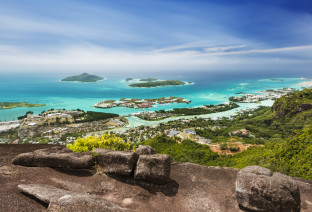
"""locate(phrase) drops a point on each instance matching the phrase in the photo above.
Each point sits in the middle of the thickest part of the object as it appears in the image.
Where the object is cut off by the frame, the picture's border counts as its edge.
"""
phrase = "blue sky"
(157, 35)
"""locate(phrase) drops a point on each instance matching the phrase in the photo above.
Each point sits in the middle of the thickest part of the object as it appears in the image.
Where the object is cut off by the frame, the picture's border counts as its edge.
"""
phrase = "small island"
(10, 105)
(277, 80)
(157, 84)
(85, 77)
(140, 103)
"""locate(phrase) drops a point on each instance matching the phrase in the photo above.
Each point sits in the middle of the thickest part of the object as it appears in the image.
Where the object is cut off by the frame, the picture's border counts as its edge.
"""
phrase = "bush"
(105, 141)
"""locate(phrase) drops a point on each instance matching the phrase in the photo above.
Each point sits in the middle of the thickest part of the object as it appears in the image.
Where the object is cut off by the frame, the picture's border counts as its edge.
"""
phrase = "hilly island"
(151, 83)
(85, 77)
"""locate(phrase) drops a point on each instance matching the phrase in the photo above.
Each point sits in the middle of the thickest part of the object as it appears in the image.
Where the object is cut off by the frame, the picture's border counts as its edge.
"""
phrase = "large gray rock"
(44, 193)
(116, 162)
(60, 200)
(24, 159)
(153, 168)
(82, 203)
(145, 150)
(257, 189)
(55, 158)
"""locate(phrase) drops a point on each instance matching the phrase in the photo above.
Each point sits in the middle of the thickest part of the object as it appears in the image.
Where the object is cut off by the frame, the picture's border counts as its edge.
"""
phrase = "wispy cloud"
(93, 57)
(223, 48)
(221, 52)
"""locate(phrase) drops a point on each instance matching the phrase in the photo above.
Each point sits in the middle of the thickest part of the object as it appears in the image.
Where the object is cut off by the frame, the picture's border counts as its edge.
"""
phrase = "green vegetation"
(25, 116)
(186, 151)
(205, 110)
(106, 141)
(10, 105)
(162, 114)
(157, 83)
(237, 98)
(94, 116)
(128, 79)
(9, 134)
(289, 105)
(83, 78)
(284, 129)
(291, 156)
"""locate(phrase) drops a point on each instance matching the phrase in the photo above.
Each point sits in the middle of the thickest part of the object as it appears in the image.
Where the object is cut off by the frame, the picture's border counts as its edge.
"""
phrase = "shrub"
(105, 141)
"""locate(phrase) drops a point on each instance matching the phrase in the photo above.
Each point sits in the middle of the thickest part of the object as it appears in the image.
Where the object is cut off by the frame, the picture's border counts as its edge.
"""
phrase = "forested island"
(10, 105)
(207, 109)
(85, 77)
(151, 84)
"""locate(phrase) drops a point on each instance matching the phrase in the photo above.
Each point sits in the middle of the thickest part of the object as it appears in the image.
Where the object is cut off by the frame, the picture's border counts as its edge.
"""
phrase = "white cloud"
(262, 51)
(92, 57)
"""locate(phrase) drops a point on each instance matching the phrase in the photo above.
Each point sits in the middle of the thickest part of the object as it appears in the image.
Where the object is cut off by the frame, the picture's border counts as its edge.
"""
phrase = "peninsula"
(206, 109)
(151, 84)
(10, 105)
(263, 95)
(140, 103)
(85, 77)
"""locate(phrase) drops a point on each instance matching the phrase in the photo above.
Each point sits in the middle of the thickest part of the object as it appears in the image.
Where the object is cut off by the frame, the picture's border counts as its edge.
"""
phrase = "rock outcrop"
(153, 168)
(60, 200)
(191, 187)
(117, 162)
(145, 150)
(258, 189)
(82, 203)
(150, 168)
(55, 158)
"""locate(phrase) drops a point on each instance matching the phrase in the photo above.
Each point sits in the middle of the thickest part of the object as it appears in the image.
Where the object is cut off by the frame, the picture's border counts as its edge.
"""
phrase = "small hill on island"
(147, 83)
(85, 77)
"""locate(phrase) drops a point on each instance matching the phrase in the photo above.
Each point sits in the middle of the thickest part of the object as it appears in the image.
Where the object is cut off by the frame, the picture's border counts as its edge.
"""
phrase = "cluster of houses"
(189, 134)
(139, 103)
(264, 95)
(242, 132)
(50, 116)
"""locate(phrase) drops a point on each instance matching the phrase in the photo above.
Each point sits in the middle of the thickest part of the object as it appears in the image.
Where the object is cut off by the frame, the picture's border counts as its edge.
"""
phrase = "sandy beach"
(305, 84)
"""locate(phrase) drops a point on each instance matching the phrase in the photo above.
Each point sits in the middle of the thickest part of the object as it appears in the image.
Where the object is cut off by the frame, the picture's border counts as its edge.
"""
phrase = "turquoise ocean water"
(207, 88)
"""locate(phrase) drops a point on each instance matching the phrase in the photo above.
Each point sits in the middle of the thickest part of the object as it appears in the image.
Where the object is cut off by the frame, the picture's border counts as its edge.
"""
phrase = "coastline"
(134, 121)
(83, 95)
(305, 84)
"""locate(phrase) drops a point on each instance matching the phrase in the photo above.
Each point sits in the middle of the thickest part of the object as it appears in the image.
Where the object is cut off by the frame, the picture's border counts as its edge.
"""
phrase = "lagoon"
(206, 88)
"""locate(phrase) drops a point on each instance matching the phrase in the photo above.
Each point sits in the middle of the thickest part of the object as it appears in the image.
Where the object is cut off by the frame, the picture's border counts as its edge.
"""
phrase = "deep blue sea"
(207, 88)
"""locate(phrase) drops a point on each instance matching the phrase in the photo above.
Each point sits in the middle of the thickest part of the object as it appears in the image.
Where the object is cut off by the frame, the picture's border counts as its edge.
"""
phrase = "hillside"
(286, 139)
(85, 77)
(295, 107)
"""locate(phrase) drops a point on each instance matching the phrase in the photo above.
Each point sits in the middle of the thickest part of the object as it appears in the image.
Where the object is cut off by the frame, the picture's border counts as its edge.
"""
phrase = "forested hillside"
(285, 130)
